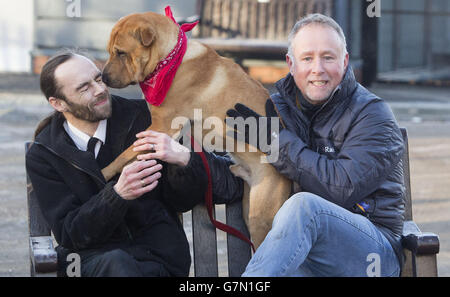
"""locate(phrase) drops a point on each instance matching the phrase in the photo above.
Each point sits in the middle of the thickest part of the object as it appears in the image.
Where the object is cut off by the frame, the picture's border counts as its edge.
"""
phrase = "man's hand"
(162, 147)
(264, 124)
(138, 178)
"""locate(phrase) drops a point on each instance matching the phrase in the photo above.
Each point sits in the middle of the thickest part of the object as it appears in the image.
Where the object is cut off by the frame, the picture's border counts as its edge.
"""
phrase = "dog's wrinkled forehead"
(129, 26)
(121, 32)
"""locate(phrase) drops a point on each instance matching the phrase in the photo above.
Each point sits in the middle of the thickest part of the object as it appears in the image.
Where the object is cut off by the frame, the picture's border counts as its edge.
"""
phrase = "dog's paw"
(241, 172)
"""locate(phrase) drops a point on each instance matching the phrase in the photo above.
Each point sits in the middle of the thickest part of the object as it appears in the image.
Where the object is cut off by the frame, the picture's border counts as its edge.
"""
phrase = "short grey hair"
(316, 18)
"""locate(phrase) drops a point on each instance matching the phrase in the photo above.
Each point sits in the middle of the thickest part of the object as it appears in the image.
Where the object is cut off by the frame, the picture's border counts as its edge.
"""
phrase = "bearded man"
(129, 225)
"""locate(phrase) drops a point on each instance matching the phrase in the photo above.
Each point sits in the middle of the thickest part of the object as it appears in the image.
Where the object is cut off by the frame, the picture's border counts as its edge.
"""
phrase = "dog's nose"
(105, 78)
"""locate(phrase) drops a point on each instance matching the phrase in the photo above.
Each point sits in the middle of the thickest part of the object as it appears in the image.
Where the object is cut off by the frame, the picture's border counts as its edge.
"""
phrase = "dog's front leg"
(160, 123)
(268, 192)
(120, 162)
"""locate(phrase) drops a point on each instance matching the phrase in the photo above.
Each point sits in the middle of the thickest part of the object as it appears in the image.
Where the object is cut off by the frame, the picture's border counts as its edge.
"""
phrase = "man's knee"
(116, 256)
(305, 201)
(112, 263)
(298, 207)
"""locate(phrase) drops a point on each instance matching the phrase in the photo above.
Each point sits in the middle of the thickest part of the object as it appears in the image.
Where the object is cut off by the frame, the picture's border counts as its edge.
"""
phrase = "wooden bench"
(252, 28)
(420, 248)
(43, 257)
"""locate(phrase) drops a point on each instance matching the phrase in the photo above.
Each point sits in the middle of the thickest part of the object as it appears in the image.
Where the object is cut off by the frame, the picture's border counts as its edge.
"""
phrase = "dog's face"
(133, 53)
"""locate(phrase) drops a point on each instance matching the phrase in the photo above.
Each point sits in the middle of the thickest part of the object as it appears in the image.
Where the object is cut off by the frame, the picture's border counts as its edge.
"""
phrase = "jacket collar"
(56, 140)
(288, 89)
(81, 139)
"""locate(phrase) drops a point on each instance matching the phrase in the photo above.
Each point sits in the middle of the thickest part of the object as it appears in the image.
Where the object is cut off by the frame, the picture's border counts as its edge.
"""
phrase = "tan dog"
(204, 81)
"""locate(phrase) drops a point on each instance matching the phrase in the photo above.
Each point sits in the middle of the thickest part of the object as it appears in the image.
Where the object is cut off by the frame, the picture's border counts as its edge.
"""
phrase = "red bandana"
(157, 84)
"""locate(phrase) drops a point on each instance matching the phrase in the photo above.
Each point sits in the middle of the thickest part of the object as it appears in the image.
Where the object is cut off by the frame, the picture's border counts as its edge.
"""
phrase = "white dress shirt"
(81, 139)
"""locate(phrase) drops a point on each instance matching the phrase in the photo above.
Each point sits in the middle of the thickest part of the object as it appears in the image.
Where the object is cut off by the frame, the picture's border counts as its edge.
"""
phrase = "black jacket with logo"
(348, 152)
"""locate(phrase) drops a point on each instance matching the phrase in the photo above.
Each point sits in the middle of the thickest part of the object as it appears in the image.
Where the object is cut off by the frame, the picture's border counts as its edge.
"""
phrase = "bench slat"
(239, 252)
(406, 175)
(204, 243)
(36, 223)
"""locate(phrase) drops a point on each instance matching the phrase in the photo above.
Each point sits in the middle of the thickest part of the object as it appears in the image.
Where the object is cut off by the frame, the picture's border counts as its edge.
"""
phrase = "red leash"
(209, 203)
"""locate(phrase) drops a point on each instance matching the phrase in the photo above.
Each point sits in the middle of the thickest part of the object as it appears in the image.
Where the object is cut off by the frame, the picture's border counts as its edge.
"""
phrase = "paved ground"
(423, 111)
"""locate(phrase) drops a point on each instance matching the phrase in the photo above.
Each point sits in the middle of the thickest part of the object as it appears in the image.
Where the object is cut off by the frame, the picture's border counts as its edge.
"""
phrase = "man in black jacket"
(129, 225)
(341, 144)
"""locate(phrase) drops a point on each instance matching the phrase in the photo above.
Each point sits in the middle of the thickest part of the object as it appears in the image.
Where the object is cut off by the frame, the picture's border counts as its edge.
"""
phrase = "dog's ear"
(146, 35)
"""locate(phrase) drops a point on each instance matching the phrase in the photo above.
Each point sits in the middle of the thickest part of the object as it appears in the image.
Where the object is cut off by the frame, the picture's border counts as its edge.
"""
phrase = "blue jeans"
(311, 236)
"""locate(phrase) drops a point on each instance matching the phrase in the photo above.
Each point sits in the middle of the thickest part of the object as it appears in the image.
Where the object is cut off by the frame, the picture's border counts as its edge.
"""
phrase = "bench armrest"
(420, 243)
(43, 255)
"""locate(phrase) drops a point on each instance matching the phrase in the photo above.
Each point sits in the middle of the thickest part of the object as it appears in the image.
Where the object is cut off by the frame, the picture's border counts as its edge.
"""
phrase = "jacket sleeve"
(372, 148)
(186, 186)
(75, 224)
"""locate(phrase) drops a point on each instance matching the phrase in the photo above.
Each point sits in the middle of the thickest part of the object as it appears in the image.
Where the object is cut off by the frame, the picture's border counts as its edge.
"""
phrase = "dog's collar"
(157, 84)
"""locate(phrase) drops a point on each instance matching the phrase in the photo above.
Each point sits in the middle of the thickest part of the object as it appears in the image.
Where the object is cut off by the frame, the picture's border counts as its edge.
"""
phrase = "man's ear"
(290, 63)
(58, 104)
(346, 58)
(146, 35)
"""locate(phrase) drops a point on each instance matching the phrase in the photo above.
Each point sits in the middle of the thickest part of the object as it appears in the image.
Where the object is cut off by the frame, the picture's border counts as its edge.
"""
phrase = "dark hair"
(49, 85)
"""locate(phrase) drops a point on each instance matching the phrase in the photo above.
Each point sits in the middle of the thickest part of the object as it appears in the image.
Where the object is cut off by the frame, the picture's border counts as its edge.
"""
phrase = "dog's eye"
(121, 53)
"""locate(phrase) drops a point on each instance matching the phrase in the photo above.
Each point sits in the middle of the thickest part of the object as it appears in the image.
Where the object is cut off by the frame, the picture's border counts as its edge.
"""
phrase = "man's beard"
(88, 112)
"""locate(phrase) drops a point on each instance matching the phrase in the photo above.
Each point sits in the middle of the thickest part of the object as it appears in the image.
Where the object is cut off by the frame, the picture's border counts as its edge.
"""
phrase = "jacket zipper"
(71, 163)
(130, 236)
(128, 132)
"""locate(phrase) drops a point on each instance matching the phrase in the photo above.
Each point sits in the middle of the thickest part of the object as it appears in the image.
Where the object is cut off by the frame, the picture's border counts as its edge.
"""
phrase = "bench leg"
(426, 266)
(43, 257)
(420, 265)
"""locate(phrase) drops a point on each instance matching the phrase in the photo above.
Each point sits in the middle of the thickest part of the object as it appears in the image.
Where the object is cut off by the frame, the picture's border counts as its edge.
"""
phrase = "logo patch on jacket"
(329, 149)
